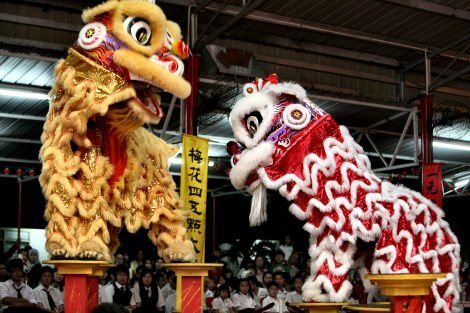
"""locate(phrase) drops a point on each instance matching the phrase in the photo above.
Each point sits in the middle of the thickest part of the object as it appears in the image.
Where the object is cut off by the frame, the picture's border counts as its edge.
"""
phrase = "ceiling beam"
(437, 52)
(72, 5)
(364, 75)
(202, 5)
(316, 48)
(31, 56)
(244, 11)
(24, 87)
(23, 117)
(432, 8)
(456, 75)
(326, 68)
(20, 140)
(281, 20)
(34, 43)
(411, 158)
(17, 160)
(321, 97)
(33, 21)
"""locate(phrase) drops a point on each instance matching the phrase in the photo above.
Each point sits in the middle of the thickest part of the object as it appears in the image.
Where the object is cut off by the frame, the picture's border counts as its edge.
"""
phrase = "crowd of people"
(266, 277)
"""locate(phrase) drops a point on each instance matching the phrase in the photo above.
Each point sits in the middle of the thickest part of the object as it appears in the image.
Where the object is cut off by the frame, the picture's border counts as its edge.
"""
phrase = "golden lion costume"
(100, 167)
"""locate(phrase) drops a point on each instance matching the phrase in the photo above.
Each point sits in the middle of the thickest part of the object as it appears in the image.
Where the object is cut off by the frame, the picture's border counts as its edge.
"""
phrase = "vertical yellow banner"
(194, 167)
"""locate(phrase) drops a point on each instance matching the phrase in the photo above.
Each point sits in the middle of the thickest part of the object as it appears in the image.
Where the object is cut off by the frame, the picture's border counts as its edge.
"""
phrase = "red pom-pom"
(32, 173)
(19, 172)
(6, 171)
(227, 170)
(217, 167)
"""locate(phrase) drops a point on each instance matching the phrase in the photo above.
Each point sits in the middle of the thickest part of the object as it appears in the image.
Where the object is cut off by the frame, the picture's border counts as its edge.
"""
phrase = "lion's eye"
(252, 122)
(139, 29)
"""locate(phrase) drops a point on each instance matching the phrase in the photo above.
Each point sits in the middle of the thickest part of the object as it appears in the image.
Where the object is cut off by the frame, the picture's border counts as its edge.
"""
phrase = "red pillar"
(426, 128)
(81, 293)
(190, 110)
(426, 135)
(81, 283)
(192, 294)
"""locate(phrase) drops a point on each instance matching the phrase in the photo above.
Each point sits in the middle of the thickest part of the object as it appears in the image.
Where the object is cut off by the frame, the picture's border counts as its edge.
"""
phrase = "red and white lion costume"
(287, 143)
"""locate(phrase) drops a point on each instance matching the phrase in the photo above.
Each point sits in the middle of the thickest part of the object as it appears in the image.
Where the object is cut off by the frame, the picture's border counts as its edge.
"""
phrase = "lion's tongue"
(149, 102)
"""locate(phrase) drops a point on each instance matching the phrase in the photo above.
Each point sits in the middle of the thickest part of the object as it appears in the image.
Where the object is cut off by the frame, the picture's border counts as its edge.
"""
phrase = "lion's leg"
(93, 208)
(329, 271)
(169, 235)
(61, 242)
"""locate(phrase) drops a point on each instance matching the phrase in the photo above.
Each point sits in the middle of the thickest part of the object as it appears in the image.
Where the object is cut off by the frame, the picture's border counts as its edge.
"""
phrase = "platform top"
(320, 304)
(413, 276)
(77, 262)
(80, 267)
(369, 307)
(193, 265)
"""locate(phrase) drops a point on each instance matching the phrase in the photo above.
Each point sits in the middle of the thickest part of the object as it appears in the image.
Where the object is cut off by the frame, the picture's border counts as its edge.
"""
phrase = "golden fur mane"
(84, 212)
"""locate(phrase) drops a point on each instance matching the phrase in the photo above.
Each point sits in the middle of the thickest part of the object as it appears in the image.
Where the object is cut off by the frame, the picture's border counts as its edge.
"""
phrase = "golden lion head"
(130, 50)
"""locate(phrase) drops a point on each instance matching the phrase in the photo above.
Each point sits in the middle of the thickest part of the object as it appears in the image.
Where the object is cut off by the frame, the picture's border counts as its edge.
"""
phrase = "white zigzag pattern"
(328, 250)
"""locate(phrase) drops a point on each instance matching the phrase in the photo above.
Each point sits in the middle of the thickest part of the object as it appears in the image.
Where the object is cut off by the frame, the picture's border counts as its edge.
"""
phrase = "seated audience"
(279, 305)
(48, 297)
(146, 295)
(15, 295)
(295, 296)
(119, 291)
(223, 303)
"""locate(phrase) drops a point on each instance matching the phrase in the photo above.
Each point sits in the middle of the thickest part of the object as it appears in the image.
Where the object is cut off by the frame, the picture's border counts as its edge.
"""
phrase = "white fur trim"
(259, 101)
(250, 160)
(289, 88)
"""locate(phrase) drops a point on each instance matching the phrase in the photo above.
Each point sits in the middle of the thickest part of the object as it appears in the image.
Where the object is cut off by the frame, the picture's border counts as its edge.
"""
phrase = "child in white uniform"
(243, 299)
(223, 303)
(279, 304)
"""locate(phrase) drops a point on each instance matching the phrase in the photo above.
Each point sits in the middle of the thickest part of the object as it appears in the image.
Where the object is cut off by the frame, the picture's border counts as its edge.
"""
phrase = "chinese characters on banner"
(194, 189)
(432, 182)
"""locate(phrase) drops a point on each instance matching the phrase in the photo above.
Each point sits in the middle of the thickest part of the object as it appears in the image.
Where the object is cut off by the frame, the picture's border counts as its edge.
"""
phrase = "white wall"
(36, 238)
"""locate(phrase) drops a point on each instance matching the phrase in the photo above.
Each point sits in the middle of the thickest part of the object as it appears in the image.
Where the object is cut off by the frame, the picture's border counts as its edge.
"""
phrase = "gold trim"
(107, 82)
(322, 307)
(405, 284)
(90, 268)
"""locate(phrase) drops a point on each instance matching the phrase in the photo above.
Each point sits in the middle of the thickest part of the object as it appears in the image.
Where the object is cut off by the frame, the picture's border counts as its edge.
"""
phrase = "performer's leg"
(169, 235)
(328, 274)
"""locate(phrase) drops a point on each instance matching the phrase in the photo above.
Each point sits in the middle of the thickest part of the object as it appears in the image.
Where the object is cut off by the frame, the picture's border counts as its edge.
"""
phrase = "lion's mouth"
(148, 98)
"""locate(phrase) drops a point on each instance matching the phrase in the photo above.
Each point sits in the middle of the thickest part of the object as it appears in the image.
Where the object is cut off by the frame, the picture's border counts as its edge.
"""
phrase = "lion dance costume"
(287, 143)
(101, 168)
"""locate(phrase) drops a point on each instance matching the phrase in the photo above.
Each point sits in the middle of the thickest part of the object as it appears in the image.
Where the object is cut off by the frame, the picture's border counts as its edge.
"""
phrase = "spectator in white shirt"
(170, 287)
(279, 305)
(259, 293)
(48, 297)
(119, 291)
(295, 296)
(281, 278)
(170, 303)
(267, 278)
(287, 247)
(243, 299)
(14, 293)
(146, 295)
(223, 304)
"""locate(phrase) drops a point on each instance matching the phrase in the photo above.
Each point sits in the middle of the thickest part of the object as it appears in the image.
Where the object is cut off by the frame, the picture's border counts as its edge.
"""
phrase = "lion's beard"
(122, 120)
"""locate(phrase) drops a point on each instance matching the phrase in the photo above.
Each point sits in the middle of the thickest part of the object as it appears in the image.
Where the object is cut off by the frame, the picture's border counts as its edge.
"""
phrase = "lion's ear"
(174, 30)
